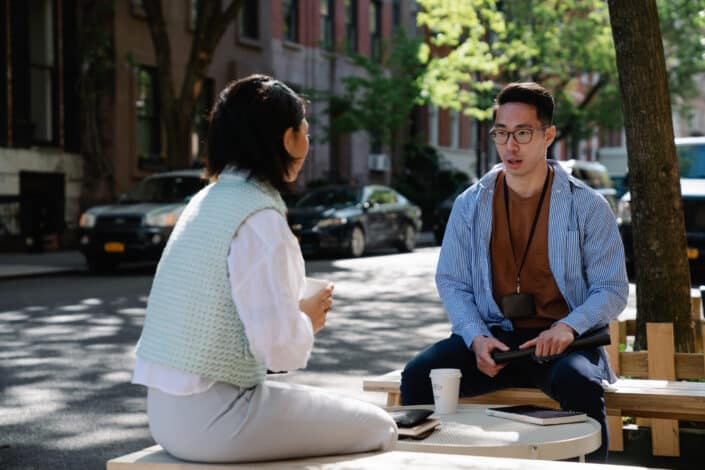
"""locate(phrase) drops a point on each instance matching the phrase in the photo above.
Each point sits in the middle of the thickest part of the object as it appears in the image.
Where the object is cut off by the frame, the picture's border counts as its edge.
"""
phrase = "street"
(67, 342)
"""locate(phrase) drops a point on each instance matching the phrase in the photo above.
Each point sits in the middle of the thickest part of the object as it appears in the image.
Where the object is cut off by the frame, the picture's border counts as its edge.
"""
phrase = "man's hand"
(552, 341)
(483, 346)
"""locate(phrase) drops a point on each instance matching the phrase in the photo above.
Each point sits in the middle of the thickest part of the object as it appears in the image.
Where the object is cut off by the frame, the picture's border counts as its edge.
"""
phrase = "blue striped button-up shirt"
(585, 253)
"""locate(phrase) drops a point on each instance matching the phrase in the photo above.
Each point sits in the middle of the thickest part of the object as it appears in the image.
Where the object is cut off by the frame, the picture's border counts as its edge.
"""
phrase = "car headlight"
(87, 220)
(332, 222)
(624, 212)
(164, 219)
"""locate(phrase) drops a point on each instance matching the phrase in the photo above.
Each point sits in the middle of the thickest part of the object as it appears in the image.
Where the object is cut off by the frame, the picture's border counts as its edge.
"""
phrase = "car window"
(691, 160)
(382, 196)
(335, 197)
(166, 190)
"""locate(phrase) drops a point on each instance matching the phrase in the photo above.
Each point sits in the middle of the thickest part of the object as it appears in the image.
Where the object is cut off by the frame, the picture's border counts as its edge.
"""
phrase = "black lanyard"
(533, 225)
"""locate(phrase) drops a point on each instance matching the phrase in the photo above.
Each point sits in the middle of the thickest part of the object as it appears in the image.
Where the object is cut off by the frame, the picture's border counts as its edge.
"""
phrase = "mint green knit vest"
(191, 322)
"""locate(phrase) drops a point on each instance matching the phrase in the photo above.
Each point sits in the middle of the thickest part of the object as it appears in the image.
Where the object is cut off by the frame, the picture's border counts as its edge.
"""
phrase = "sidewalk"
(17, 265)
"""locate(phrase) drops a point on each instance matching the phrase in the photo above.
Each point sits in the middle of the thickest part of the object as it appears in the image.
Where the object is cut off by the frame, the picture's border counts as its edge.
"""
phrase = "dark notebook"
(537, 414)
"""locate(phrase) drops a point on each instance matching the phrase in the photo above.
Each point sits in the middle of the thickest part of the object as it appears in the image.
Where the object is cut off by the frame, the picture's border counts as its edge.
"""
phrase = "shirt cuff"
(470, 332)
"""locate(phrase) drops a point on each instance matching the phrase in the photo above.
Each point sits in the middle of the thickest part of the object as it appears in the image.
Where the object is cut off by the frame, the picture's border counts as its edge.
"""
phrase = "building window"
(351, 26)
(4, 89)
(148, 127)
(42, 75)
(396, 14)
(327, 10)
(199, 130)
(376, 30)
(291, 20)
(249, 20)
(193, 14)
(454, 129)
(433, 125)
(137, 9)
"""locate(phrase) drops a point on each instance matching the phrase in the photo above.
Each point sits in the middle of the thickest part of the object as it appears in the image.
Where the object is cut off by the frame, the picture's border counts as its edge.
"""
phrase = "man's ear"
(550, 135)
(289, 139)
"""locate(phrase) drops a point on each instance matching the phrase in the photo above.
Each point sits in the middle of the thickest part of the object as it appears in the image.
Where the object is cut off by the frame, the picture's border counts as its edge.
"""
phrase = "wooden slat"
(662, 365)
(695, 307)
(613, 348)
(687, 365)
(393, 399)
(634, 364)
(690, 365)
(702, 340)
(532, 396)
(614, 425)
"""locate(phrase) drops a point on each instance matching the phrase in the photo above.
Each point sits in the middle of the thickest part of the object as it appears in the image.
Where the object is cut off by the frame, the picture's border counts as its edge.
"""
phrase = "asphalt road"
(67, 343)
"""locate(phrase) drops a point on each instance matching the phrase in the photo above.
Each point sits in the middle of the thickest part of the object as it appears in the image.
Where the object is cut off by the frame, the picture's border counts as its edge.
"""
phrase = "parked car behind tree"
(691, 164)
(354, 219)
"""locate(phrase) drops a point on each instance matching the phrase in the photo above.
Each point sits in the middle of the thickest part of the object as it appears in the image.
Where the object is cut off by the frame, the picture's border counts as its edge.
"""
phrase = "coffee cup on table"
(446, 389)
(314, 286)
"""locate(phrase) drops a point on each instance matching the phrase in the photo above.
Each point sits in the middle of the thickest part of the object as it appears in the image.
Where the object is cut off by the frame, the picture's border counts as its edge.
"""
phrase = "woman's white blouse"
(267, 279)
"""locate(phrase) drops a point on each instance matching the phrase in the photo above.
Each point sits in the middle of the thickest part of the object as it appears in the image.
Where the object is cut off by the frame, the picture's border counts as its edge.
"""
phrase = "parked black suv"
(691, 162)
(138, 226)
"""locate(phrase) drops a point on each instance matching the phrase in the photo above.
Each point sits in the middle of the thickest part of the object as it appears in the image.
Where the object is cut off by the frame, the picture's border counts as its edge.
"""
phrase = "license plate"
(693, 253)
(114, 247)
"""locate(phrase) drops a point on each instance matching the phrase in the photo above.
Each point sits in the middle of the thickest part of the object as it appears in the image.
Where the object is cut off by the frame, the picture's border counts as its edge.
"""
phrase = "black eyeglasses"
(521, 136)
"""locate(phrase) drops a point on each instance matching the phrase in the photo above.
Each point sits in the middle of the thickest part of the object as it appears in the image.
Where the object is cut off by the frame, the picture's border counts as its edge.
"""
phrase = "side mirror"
(367, 205)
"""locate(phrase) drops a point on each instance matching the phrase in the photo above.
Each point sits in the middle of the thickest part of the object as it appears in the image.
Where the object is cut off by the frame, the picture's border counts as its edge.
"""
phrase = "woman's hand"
(317, 306)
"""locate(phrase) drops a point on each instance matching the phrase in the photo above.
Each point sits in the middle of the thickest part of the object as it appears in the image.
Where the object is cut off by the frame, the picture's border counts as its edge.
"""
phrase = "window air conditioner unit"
(378, 162)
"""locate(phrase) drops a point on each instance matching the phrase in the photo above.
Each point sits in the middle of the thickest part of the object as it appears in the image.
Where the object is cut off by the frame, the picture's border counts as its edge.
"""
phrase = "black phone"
(410, 418)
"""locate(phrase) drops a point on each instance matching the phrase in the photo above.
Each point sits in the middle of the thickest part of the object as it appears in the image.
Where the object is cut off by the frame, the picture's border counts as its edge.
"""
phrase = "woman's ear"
(289, 140)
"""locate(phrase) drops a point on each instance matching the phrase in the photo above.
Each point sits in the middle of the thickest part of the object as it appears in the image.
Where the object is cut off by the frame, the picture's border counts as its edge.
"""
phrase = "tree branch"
(601, 83)
(162, 51)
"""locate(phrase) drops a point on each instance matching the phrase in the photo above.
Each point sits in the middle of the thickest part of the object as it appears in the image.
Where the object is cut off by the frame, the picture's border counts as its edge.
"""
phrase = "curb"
(39, 272)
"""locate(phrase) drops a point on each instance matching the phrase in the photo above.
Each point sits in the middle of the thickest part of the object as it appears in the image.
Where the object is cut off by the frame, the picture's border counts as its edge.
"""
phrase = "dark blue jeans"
(573, 380)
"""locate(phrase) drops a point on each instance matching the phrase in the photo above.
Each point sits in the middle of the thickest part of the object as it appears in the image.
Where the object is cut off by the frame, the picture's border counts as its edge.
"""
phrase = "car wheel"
(408, 240)
(100, 264)
(357, 242)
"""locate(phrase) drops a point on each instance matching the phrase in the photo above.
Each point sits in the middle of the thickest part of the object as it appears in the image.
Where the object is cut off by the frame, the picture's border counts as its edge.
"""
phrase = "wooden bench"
(154, 458)
(660, 397)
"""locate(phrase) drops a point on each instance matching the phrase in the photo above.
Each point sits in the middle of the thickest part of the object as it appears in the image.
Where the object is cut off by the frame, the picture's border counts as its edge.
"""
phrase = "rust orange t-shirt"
(536, 277)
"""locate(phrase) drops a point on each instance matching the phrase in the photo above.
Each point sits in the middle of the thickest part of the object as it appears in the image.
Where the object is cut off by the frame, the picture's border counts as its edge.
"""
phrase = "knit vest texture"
(192, 323)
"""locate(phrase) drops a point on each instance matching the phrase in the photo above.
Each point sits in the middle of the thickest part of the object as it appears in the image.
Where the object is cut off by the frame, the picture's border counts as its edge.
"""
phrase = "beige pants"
(272, 421)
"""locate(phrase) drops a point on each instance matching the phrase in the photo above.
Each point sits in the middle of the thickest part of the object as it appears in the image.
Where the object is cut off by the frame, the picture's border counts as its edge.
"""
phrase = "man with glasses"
(531, 257)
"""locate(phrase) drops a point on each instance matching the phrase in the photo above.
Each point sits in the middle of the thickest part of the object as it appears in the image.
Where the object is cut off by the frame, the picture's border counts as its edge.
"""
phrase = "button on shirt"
(586, 257)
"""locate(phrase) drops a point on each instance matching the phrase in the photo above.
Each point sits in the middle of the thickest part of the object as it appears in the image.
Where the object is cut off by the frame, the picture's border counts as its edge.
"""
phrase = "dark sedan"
(353, 219)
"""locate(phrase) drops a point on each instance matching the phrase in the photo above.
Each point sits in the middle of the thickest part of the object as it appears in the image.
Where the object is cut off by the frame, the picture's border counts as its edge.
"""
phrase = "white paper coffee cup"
(446, 389)
(314, 286)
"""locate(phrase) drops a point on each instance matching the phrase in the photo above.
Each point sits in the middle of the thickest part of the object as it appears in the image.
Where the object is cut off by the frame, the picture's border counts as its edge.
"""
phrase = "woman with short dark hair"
(226, 304)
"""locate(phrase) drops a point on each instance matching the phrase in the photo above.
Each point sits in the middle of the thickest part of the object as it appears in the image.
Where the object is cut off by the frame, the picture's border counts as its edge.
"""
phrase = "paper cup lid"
(445, 372)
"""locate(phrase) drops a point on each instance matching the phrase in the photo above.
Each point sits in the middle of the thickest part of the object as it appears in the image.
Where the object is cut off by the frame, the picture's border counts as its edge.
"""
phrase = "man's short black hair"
(529, 93)
(247, 125)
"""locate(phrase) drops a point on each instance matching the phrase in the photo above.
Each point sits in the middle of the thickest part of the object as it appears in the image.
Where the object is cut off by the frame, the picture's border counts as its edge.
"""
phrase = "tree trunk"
(663, 276)
(177, 111)
(95, 32)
